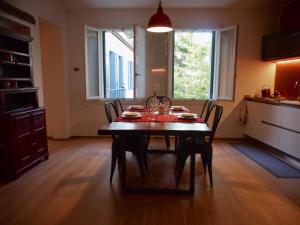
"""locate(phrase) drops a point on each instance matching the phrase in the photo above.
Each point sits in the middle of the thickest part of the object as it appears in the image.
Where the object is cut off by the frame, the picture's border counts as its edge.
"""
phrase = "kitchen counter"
(282, 102)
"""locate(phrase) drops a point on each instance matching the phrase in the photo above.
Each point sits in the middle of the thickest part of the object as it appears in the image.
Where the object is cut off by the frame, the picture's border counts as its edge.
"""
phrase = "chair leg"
(209, 165)
(176, 143)
(141, 164)
(203, 162)
(180, 168)
(167, 138)
(114, 157)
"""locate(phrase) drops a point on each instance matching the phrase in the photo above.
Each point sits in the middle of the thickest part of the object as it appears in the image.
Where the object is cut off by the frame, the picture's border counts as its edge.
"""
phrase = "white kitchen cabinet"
(269, 135)
(290, 143)
(275, 125)
(290, 118)
(253, 128)
(270, 113)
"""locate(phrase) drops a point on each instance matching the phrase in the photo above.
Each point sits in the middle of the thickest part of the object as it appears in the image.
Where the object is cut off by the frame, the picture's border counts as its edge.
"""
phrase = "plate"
(136, 107)
(131, 115)
(187, 116)
(177, 107)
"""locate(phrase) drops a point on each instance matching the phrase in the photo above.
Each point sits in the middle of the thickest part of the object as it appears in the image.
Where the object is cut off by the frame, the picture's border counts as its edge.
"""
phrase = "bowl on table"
(133, 115)
(187, 116)
(136, 107)
(177, 108)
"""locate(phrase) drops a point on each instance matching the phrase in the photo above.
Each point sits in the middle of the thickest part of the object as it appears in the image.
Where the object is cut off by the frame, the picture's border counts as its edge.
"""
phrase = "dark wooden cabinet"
(29, 139)
(286, 43)
(279, 46)
(23, 137)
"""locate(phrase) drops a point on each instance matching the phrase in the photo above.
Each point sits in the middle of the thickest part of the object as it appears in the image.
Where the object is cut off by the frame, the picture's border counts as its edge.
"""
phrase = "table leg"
(123, 163)
(192, 167)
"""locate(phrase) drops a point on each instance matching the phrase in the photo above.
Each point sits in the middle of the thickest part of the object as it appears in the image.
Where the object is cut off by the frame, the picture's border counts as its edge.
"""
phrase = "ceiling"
(98, 4)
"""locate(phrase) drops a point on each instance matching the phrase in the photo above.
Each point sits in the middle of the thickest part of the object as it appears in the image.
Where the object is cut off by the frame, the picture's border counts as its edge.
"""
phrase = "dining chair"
(134, 144)
(118, 106)
(205, 110)
(202, 146)
(204, 113)
(163, 100)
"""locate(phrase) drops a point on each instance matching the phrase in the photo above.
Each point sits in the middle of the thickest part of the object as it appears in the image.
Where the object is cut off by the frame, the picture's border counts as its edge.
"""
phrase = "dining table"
(155, 124)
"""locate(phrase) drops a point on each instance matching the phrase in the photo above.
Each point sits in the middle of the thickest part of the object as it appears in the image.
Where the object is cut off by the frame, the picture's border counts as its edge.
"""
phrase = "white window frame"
(232, 67)
(100, 67)
(100, 64)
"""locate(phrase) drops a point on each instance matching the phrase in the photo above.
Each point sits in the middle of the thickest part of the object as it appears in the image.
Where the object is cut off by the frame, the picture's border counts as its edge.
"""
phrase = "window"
(193, 60)
(110, 60)
(204, 64)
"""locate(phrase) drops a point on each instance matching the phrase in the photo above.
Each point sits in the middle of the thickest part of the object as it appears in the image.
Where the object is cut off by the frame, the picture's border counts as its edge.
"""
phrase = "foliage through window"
(204, 64)
(193, 61)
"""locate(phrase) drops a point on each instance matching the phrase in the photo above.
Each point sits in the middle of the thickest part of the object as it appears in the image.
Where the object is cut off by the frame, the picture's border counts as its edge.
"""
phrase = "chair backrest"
(162, 99)
(118, 106)
(203, 108)
(206, 109)
(218, 109)
(110, 111)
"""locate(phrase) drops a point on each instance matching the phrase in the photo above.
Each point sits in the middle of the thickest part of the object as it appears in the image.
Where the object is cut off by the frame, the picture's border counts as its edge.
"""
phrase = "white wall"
(53, 12)
(87, 116)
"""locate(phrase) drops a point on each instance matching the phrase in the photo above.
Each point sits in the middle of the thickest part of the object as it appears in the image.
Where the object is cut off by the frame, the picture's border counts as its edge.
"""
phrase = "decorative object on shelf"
(159, 22)
(266, 91)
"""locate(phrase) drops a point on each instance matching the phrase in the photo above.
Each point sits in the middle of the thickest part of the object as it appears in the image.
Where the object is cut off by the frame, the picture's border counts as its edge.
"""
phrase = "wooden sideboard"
(23, 138)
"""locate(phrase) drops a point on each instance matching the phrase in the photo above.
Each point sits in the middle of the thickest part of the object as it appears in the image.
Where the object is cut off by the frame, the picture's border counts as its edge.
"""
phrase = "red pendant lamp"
(159, 22)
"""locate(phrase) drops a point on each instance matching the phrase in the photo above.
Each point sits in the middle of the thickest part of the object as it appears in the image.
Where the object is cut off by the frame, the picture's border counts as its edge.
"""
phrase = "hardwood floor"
(72, 188)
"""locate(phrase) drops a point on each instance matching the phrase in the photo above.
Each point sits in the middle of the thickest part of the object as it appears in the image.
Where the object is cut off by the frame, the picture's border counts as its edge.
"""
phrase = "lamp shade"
(159, 22)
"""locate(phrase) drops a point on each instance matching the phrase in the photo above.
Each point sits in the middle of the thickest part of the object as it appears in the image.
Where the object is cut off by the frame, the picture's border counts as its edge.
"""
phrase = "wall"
(53, 12)
(287, 73)
(87, 116)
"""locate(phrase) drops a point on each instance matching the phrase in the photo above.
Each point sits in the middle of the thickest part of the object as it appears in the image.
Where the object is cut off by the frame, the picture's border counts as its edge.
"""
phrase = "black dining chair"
(202, 146)
(162, 100)
(118, 106)
(205, 110)
(204, 114)
(133, 143)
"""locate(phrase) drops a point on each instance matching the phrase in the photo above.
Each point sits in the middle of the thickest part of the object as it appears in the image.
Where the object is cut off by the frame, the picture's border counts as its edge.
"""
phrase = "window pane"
(192, 64)
(92, 63)
(118, 55)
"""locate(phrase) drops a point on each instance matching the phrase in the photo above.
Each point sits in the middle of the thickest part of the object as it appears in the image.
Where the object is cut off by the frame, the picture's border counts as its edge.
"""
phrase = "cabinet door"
(271, 47)
(24, 150)
(39, 120)
(290, 118)
(39, 142)
(6, 163)
(290, 143)
(270, 135)
(253, 127)
(22, 124)
(23, 139)
(271, 114)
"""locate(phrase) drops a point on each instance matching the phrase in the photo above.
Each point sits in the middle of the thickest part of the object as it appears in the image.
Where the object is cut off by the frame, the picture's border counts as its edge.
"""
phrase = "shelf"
(19, 89)
(14, 63)
(14, 79)
(15, 53)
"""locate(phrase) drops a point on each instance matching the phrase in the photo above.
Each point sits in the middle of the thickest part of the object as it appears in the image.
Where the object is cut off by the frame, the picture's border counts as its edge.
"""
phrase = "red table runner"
(147, 117)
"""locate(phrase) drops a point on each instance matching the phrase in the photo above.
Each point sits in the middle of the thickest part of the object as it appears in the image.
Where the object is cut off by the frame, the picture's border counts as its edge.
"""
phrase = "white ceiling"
(97, 4)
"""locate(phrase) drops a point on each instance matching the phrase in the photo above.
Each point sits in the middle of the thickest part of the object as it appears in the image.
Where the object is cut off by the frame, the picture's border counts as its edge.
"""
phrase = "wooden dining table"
(174, 128)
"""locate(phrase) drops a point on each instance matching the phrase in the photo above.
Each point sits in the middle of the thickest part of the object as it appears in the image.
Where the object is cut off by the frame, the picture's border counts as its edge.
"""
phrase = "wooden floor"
(72, 188)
